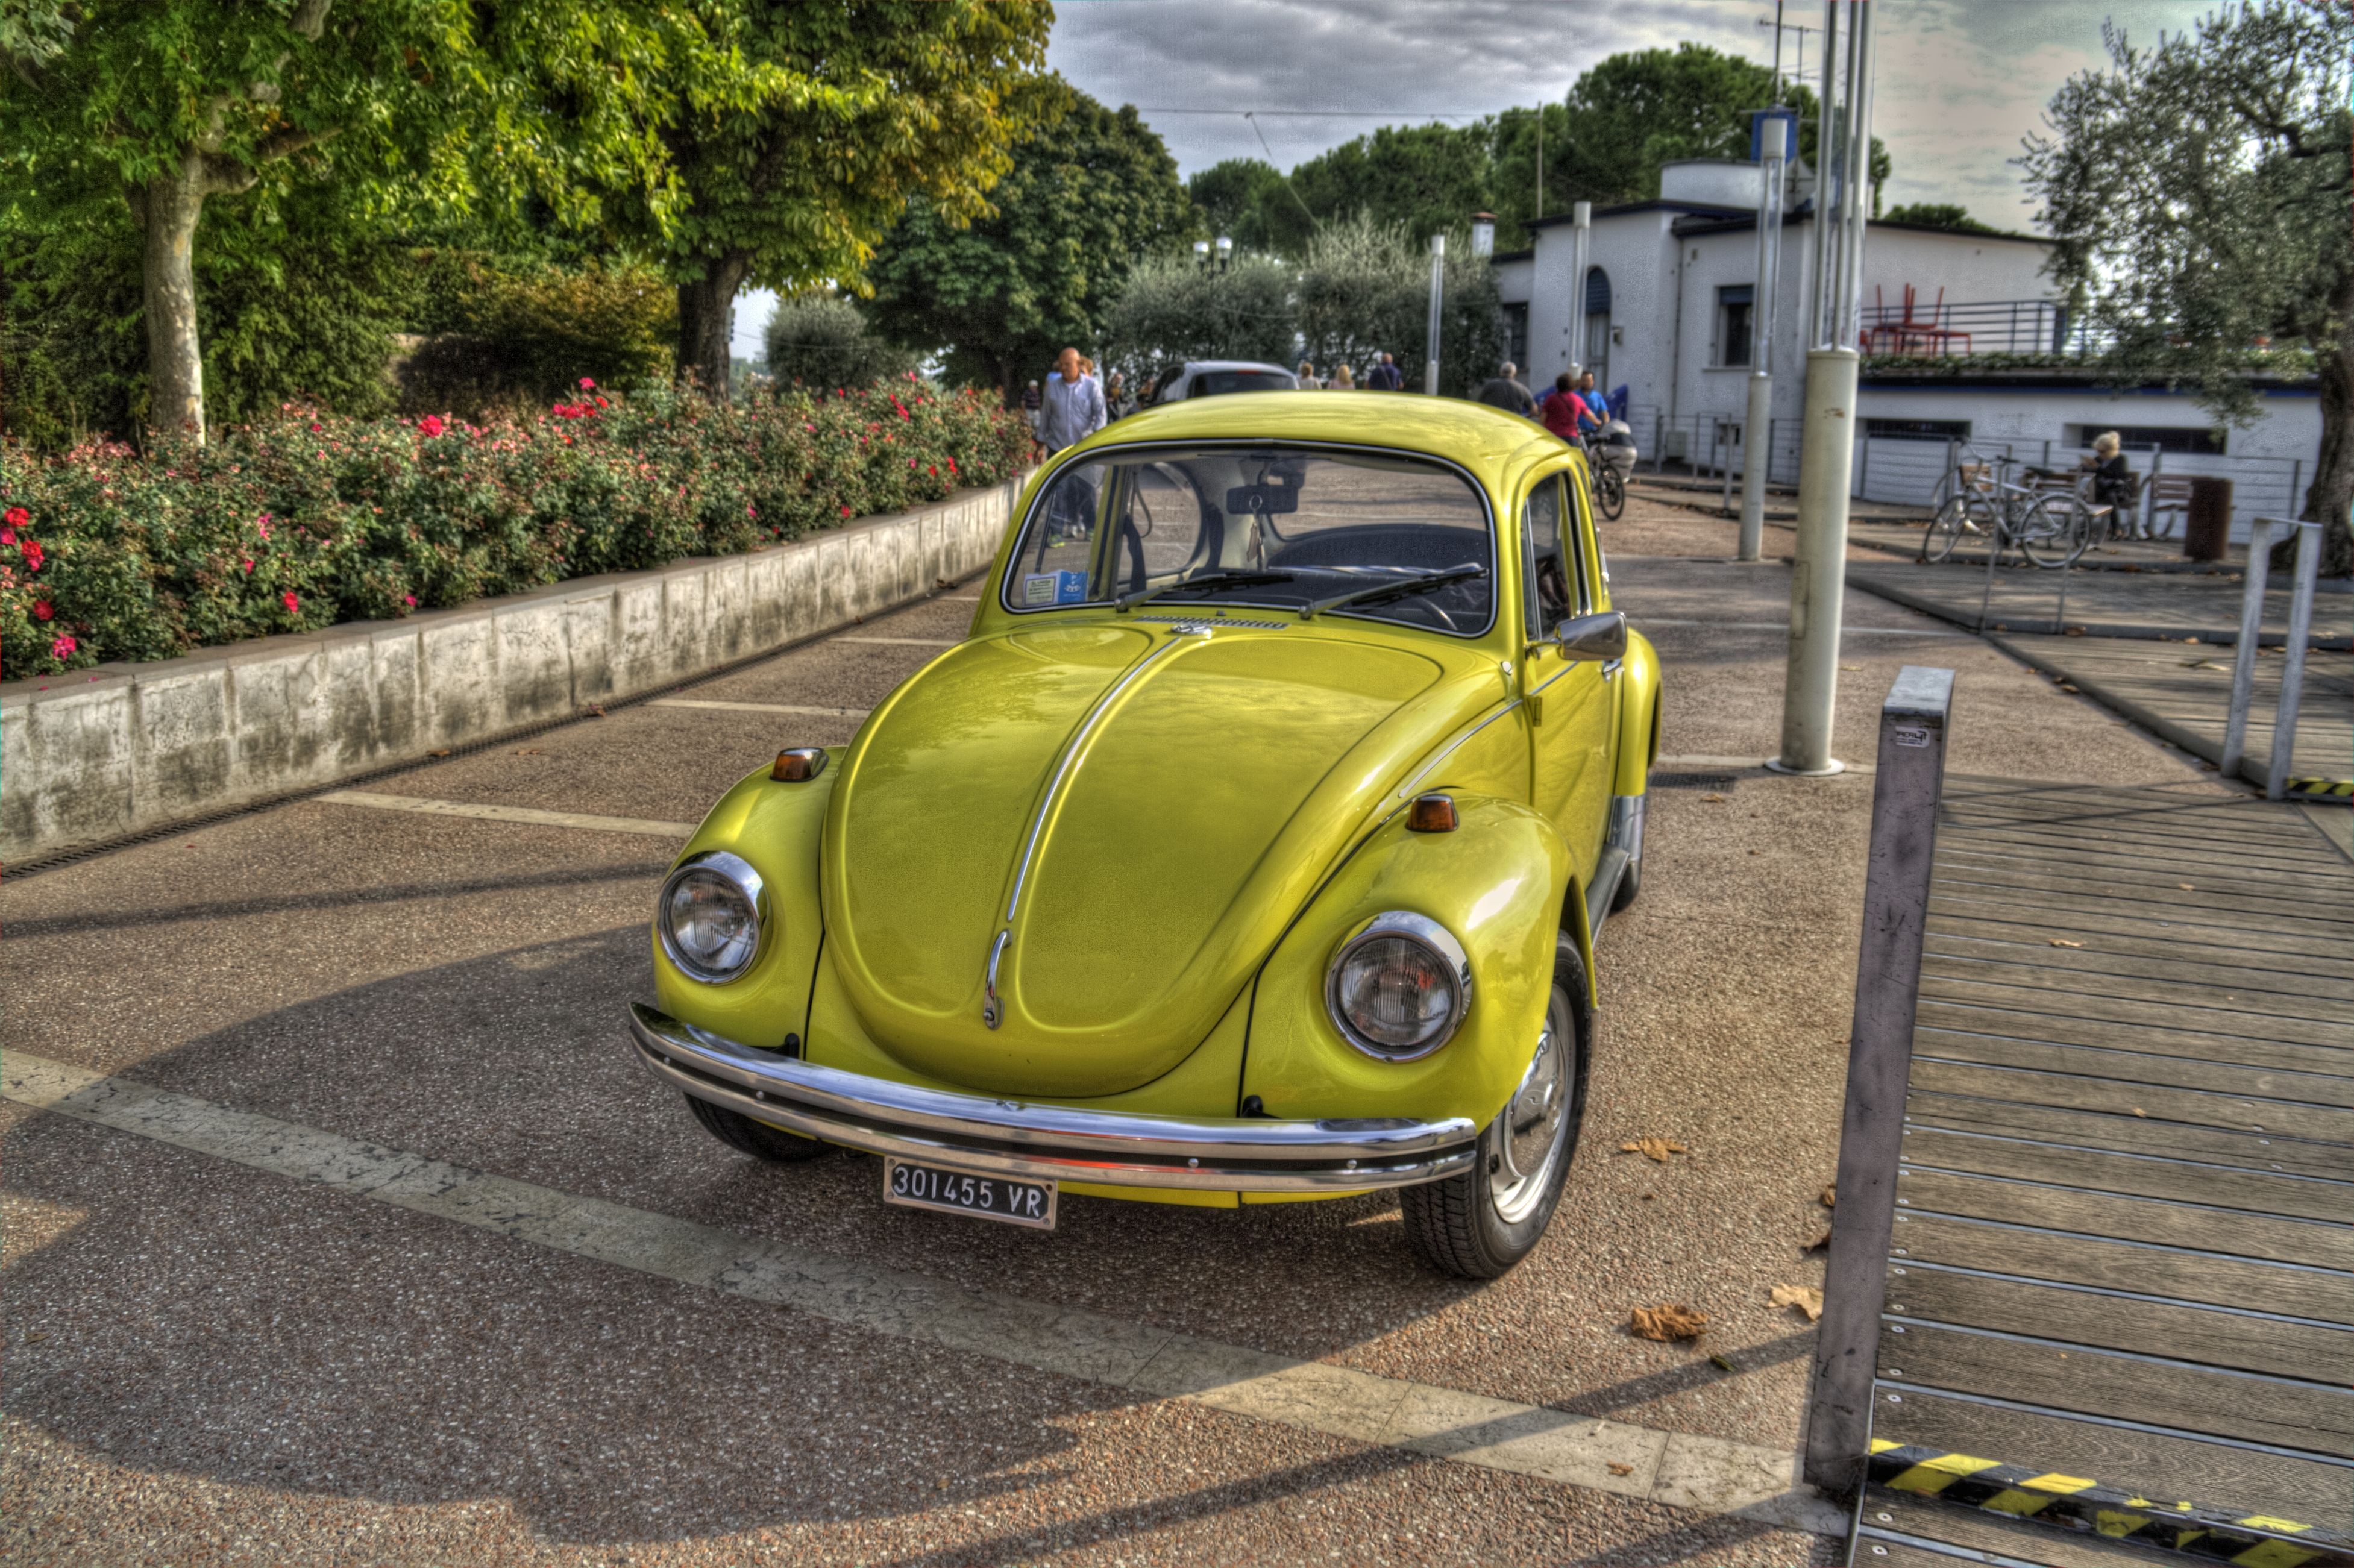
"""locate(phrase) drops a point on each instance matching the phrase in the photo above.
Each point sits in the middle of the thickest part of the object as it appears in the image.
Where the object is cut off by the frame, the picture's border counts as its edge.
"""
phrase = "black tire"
(758, 1140)
(1945, 530)
(2052, 533)
(1610, 492)
(1456, 1226)
(1630, 884)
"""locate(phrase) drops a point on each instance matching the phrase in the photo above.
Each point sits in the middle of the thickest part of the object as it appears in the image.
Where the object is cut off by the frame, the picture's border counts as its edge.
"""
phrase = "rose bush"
(305, 520)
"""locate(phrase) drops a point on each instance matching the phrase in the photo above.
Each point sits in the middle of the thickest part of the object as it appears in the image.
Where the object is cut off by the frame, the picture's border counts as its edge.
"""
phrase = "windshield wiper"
(1207, 580)
(1382, 592)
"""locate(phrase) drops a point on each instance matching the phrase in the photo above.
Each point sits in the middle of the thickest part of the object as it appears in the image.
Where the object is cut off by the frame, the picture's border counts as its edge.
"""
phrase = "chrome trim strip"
(1412, 785)
(1621, 849)
(1070, 755)
(1016, 1138)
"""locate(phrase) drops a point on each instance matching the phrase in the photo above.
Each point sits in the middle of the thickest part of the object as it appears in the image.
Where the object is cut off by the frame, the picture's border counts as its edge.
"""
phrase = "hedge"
(306, 520)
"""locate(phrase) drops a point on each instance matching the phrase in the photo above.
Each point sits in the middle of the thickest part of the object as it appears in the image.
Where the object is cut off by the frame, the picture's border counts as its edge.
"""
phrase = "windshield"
(1294, 527)
(1210, 383)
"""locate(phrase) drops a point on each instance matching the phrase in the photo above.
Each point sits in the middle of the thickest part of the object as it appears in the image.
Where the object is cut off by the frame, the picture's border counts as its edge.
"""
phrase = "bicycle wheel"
(1956, 516)
(2051, 533)
(1610, 492)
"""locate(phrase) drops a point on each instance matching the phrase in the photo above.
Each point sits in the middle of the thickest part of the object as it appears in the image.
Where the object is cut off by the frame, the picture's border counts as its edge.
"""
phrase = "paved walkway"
(2124, 1257)
(2174, 605)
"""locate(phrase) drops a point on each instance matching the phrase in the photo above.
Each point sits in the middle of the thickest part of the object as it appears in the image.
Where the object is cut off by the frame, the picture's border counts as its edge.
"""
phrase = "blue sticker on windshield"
(1054, 588)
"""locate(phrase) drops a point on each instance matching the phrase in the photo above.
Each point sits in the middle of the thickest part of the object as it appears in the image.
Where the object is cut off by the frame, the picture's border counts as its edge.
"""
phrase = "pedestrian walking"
(1387, 376)
(1308, 382)
(1072, 408)
(1504, 391)
(1561, 409)
(1343, 380)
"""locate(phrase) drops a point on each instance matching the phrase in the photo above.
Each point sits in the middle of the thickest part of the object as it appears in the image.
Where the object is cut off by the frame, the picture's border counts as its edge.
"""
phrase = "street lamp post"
(1581, 231)
(1757, 434)
(1225, 252)
(1438, 283)
(1827, 455)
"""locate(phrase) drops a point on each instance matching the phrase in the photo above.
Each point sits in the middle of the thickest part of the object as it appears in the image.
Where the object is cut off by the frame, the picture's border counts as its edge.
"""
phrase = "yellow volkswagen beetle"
(1250, 849)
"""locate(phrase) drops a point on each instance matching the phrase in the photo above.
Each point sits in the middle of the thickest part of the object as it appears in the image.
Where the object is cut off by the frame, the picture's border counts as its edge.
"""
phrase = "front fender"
(778, 828)
(1499, 882)
(1639, 716)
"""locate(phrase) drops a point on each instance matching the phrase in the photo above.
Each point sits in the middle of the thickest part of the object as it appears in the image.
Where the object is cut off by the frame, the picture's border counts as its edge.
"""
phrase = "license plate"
(962, 1192)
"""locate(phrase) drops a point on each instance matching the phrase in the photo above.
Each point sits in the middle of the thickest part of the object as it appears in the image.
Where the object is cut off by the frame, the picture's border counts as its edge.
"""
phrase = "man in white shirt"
(1074, 405)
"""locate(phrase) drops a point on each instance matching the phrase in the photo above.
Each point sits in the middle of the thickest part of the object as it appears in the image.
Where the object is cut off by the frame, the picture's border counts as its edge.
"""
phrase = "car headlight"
(709, 917)
(1398, 987)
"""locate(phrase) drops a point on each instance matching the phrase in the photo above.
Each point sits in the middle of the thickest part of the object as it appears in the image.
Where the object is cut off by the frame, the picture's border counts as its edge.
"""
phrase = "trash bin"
(2207, 534)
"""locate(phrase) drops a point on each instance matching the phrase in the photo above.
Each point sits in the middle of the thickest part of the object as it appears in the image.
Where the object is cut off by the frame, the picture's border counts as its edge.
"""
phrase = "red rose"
(291, 603)
(41, 610)
(432, 425)
(33, 556)
(16, 517)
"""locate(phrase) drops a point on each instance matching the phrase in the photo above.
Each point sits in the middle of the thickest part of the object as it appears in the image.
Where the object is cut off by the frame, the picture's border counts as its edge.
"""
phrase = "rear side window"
(1210, 383)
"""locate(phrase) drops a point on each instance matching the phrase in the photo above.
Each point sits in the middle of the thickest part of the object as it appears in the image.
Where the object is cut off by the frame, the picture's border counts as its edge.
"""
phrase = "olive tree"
(1364, 290)
(1174, 307)
(166, 104)
(2198, 191)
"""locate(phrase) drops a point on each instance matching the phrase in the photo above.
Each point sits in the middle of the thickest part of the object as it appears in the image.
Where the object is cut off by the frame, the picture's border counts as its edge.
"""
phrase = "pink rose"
(587, 384)
(291, 603)
(432, 425)
(410, 599)
(63, 647)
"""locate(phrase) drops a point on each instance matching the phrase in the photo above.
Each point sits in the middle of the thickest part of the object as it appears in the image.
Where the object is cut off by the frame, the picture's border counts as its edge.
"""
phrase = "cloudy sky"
(1959, 81)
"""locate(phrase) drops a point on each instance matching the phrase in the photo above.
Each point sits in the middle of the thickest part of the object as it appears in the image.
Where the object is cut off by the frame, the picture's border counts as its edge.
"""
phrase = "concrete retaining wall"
(100, 754)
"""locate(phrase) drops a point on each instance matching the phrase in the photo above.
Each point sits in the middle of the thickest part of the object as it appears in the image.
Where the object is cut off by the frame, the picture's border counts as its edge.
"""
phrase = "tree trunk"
(176, 369)
(2326, 500)
(705, 340)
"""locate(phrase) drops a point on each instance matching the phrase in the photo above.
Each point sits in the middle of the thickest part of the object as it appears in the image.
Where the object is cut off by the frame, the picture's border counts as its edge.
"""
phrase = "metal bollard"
(2300, 631)
(2243, 656)
(1914, 725)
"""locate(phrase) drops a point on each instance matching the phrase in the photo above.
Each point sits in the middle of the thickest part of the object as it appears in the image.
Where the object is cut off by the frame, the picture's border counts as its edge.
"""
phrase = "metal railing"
(1929, 329)
(2243, 657)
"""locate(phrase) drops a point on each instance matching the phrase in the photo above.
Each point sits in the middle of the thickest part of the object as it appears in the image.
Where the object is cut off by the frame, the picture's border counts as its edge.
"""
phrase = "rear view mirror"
(1600, 636)
(1262, 500)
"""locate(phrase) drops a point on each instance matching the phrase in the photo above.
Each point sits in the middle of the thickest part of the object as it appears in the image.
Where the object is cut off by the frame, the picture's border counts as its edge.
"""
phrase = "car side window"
(1549, 557)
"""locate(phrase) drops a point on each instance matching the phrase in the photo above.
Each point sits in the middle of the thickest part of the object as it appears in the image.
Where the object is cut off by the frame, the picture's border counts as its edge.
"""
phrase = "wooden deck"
(2124, 1249)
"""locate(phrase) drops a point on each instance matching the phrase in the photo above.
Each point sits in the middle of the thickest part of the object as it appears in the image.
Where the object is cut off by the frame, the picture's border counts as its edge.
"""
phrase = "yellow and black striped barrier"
(2073, 1503)
(2322, 789)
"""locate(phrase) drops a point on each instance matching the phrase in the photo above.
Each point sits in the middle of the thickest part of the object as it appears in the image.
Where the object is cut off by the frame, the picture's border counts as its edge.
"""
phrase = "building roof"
(1717, 222)
(1702, 208)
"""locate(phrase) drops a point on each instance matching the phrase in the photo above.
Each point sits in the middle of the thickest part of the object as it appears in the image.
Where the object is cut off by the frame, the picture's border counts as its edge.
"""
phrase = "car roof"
(1495, 446)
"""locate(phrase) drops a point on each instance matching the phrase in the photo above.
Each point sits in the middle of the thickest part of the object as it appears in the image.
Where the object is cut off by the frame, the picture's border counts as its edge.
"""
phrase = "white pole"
(2300, 631)
(1581, 233)
(2244, 654)
(1438, 283)
(1826, 461)
(1757, 453)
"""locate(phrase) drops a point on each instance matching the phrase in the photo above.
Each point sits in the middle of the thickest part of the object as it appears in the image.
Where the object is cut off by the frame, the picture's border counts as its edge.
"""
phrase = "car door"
(1572, 705)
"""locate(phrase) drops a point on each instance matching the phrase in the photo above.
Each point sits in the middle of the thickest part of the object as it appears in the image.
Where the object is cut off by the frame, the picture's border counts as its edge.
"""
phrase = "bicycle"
(2048, 529)
(1609, 487)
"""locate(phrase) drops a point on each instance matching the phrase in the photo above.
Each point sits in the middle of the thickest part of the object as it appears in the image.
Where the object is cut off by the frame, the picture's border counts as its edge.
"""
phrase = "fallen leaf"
(1820, 1244)
(1851, 666)
(1830, 1197)
(1622, 1469)
(2141, 1113)
(2073, 632)
(2186, 887)
(1711, 800)
(1807, 1299)
(1723, 1363)
(597, 710)
(2069, 689)
(1668, 1321)
(2063, 942)
(34, 1339)
(1656, 1149)
(437, 754)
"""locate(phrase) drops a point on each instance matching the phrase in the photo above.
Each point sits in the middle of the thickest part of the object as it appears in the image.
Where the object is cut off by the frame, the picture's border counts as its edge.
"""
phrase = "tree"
(1174, 307)
(169, 103)
(1005, 295)
(1636, 111)
(1429, 178)
(1235, 197)
(1940, 215)
(860, 107)
(822, 342)
(2199, 195)
(1364, 290)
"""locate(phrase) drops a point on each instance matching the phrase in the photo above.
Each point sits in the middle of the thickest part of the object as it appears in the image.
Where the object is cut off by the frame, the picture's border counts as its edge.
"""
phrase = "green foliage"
(1172, 307)
(522, 336)
(855, 108)
(300, 300)
(301, 521)
(1364, 290)
(820, 342)
(2198, 193)
(1001, 298)
(1940, 215)
(1605, 143)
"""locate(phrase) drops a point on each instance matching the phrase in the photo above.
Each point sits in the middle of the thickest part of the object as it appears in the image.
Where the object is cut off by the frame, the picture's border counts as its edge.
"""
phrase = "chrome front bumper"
(1012, 1138)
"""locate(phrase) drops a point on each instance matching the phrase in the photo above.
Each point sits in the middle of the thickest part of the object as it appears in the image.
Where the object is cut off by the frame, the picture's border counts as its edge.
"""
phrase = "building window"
(1596, 356)
(1732, 324)
(1916, 429)
(1516, 333)
(2198, 441)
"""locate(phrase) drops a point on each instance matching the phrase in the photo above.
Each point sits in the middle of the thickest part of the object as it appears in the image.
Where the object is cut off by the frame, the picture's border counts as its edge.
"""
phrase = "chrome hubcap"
(1530, 1129)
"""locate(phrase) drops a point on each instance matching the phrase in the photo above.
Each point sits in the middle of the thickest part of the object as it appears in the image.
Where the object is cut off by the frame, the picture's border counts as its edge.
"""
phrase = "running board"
(1621, 849)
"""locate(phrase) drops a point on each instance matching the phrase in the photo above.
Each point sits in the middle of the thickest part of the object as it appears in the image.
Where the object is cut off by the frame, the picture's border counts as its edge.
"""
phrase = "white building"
(1663, 312)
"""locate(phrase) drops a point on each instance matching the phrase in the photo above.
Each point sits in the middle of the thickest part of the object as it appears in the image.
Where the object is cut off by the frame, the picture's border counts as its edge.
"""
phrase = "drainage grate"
(1694, 780)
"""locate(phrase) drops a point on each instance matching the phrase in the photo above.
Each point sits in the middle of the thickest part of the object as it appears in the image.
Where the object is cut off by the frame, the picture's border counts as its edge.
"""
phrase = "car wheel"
(758, 1140)
(1481, 1222)
(1630, 883)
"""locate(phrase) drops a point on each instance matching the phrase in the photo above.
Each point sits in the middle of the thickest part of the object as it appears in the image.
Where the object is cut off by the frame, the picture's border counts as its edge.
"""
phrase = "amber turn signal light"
(1431, 814)
(799, 764)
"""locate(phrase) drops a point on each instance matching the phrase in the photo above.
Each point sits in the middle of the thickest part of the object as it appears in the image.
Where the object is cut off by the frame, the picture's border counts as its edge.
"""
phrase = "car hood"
(1138, 810)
